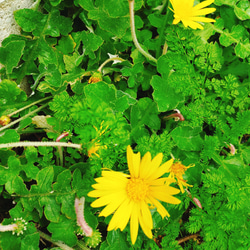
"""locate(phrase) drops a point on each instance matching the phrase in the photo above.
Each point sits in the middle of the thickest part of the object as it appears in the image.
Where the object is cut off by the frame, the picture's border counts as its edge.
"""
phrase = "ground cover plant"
(125, 125)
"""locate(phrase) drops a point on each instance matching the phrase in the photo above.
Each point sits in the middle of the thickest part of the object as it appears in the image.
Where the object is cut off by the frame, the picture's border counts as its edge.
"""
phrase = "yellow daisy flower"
(177, 170)
(190, 15)
(129, 196)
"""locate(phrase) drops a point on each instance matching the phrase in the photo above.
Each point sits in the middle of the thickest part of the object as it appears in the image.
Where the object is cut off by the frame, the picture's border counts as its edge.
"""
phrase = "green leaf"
(62, 187)
(164, 95)
(63, 231)
(44, 180)
(66, 45)
(144, 113)
(187, 138)
(10, 93)
(51, 208)
(9, 135)
(30, 242)
(91, 43)
(30, 20)
(11, 54)
(17, 186)
(100, 93)
(116, 240)
(116, 8)
(117, 25)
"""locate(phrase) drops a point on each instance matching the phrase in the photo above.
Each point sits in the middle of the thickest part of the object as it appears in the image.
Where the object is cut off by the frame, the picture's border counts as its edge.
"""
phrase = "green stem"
(40, 144)
(161, 34)
(31, 104)
(109, 60)
(48, 238)
(132, 27)
(23, 117)
(82, 245)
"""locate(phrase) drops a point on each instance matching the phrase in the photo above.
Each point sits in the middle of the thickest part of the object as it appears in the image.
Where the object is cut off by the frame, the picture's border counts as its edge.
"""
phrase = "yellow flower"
(129, 196)
(4, 120)
(190, 15)
(93, 150)
(177, 170)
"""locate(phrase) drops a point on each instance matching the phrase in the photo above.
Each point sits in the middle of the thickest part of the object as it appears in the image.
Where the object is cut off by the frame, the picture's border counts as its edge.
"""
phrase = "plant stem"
(192, 236)
(109, 60)
(23, 117)
(31, 104)
(40, 144)
(132, 27)
(48, 238)
(161, 35)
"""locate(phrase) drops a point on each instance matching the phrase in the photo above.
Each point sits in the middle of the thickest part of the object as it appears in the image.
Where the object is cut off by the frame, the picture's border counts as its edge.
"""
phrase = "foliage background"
(204, 74)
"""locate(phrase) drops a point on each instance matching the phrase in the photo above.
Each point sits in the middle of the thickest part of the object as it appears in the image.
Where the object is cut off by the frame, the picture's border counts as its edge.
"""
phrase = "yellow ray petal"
(145, 165)
(161, 170)
(203, 4)
(108, 199)
(161, 210)
(112, 206)
(145, 220)
(154, 165)
(134, 224)
(121, 216)
(133, 162)
(203, 19)
(203, 12)
(167, 198)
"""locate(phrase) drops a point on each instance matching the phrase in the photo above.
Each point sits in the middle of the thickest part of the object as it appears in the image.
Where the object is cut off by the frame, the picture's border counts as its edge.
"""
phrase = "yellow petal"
(112, 206)
(133, 162)
(145, 219)
(104, 200)
(161, 210)
(167, 198)
(202, 4)
(134, 224)
(145, 165)
(121, 216)
(161, 170)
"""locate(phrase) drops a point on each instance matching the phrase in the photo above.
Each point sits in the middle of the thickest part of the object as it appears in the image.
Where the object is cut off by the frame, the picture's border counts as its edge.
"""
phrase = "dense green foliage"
(205, 74)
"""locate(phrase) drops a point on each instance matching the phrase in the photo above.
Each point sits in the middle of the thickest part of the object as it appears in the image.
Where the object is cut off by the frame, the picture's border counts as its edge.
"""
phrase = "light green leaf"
(11, 54)
(164, 95)
(63, 231)
(188, 138)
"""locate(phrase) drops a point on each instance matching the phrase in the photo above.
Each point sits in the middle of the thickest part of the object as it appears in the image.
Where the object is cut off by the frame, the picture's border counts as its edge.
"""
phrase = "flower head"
(129, 196)
(177, 170)
(4, 120)
(190, 15)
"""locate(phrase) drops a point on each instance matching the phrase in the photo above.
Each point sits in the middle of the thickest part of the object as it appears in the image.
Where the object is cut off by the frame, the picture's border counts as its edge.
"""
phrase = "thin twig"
(132, 27)
(192, 236)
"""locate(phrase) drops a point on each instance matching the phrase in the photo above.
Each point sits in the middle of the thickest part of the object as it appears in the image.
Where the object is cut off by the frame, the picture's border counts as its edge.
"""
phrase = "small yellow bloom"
(190, 15)
(129, 196)
(177, 170)
(4, 120)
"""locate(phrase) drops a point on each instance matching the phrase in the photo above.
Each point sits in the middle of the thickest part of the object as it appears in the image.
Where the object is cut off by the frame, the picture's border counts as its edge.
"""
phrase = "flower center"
(137, 189)
(178, 169)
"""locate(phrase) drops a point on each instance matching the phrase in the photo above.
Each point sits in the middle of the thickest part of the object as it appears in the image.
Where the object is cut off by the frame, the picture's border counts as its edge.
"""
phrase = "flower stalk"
(79, 208)
(132, 27)
(40, 144)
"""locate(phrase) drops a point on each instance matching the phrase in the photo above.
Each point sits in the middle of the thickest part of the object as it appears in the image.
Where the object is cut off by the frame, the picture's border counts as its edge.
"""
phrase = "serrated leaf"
(30, 242)
(30, 20)
(63, 231)
(100, 93)
(116, 240)
(164, 95)
(51, 208)
(91, 43)
(16, 186)
(144, 113)
(44, 179)
(187, 138)
(10, 93)
(116, 8)
(117, 25)
(11, 54)
(9, 135)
